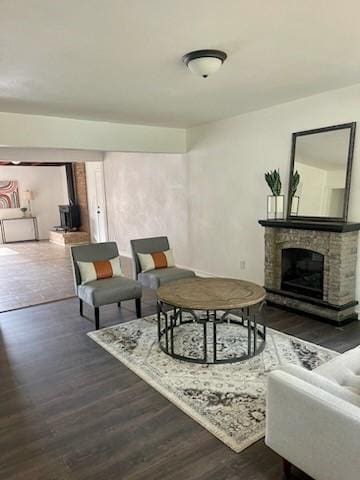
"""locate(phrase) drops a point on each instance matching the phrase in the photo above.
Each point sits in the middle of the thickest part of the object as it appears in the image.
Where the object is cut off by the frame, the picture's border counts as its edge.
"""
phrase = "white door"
(96, 201)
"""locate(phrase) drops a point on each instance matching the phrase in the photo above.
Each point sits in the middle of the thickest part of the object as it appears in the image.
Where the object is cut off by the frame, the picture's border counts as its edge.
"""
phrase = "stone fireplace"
(311, 267)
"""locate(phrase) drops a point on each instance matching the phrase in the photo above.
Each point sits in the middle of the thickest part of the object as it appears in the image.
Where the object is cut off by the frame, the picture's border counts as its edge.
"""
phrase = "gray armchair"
(105, 291)
(154, 278)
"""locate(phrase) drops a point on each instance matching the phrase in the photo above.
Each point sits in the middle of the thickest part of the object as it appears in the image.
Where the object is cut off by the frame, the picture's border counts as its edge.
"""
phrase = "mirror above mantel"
(320, 173)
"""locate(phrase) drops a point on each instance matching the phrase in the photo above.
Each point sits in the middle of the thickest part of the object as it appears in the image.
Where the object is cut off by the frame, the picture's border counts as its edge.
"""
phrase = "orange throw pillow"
(152, 261)
(99, 270)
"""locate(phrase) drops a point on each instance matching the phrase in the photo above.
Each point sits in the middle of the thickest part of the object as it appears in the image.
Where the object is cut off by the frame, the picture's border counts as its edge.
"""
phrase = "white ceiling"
(120, 60)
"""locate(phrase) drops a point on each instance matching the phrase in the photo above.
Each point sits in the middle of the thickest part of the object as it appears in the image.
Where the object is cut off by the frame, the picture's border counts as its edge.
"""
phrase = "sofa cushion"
(109, 290)
(155, 278)
(344, 370)
(353, 382)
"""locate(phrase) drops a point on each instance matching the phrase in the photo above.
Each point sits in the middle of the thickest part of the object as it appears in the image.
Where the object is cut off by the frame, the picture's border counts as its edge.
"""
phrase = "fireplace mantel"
(312, 225)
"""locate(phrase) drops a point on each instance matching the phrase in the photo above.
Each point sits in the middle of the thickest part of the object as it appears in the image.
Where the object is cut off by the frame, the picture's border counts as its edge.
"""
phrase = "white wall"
(33, 131)
(209, 200)
(227, 161)
(49, 188)
(147, 196)
(60, 155)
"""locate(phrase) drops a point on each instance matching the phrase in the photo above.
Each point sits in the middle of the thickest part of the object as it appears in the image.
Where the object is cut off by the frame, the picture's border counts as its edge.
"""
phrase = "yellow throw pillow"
(152, 261)
(99, 270)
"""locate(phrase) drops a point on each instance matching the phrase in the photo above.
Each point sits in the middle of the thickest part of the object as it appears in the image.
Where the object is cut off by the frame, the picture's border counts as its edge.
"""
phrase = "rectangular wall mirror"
(320, 173)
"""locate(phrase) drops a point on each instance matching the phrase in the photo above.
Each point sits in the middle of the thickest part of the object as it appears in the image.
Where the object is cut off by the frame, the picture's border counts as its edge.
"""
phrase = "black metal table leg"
(249, 331)
(215, 336)
(166, 331)
(255, 334)
(172, 324)
(167, 327)
(205, 336)
(159, 320)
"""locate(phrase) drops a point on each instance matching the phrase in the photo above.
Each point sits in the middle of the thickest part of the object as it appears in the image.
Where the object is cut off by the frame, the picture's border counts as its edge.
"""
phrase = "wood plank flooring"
(69, 410)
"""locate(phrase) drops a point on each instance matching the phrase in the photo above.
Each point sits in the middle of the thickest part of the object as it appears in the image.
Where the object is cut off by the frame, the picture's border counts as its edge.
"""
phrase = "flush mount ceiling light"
(15, 162)
(204, 62)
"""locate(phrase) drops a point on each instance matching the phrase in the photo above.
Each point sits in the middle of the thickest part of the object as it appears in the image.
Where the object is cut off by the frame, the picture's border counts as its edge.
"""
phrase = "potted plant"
(24, 210)
(294, 199)
(275, 202)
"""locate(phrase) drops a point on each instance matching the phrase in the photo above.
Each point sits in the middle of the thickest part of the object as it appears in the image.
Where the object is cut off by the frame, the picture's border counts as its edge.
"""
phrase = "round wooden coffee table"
(210, 302)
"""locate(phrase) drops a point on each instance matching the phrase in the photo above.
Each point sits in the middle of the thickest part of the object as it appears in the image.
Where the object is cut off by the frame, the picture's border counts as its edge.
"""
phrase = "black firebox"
(302, 272)
(69, 217)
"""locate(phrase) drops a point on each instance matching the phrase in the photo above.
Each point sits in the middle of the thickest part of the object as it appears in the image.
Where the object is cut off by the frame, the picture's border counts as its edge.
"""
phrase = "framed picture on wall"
(9, 194)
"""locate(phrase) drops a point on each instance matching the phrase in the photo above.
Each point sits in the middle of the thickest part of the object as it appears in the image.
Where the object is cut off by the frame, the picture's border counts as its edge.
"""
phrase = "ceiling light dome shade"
(204, 62)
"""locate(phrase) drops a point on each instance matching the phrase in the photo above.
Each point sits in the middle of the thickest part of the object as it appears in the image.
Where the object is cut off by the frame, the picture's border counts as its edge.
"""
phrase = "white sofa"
(313, 418)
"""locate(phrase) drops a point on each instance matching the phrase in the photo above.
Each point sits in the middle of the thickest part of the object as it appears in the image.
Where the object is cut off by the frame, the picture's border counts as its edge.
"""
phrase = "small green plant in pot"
(275, 204)
(23, 210)
(274, 181)
(294, 183)
(294, 199)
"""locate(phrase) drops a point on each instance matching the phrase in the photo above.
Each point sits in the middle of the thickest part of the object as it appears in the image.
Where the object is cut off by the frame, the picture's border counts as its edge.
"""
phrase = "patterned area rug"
(228, 400)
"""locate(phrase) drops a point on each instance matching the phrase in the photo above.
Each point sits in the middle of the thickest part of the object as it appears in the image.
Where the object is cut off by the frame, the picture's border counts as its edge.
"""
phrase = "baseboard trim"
(336, 323)
(199, 273)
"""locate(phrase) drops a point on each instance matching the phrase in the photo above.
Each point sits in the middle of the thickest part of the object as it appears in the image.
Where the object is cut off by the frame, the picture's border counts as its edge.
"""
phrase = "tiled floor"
(32, 273)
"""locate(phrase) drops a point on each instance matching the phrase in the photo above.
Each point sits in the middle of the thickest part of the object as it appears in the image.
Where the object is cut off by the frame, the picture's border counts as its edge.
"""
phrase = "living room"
(195, 357)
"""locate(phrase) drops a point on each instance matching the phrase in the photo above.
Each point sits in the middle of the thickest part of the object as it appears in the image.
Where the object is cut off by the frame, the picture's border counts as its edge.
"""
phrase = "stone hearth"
(68, 238)
(338, 243)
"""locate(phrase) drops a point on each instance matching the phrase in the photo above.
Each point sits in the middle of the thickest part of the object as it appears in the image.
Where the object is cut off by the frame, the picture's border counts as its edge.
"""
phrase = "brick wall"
(81, 195)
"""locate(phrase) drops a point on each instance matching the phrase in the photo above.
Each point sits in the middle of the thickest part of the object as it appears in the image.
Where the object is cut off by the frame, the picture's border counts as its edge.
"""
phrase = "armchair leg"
(286, 468)
(119, 304)
(97, 318)
(138, 307)
(81, 307)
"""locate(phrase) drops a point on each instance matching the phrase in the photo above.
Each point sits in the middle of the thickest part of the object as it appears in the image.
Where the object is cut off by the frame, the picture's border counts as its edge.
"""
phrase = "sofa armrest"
(323, 383)
(313, 429)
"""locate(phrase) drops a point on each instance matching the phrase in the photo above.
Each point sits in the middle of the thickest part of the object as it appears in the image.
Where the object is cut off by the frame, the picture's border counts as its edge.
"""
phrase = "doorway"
(34, 270)
(96, 201)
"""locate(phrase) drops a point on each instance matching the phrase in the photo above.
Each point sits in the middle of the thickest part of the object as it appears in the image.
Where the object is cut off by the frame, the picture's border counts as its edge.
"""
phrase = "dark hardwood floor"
(69, 410)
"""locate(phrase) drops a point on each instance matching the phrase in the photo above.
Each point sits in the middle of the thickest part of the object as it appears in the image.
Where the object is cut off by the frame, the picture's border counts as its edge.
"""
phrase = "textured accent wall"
(146, 196)
(81, 195)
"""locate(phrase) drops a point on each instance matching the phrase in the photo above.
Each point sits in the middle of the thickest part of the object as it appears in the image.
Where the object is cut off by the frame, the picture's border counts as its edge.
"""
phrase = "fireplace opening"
(302, 271)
